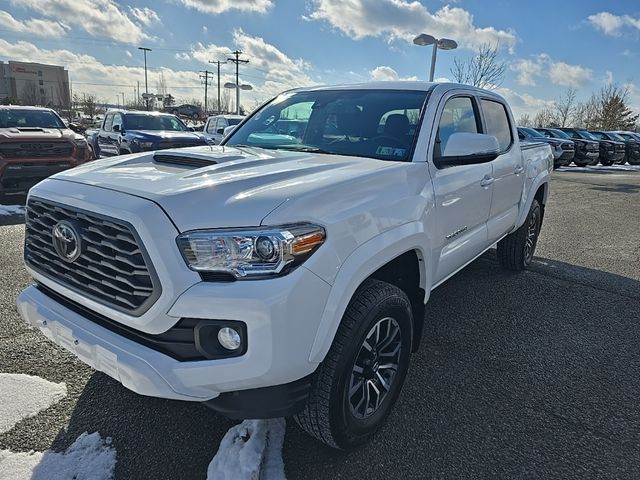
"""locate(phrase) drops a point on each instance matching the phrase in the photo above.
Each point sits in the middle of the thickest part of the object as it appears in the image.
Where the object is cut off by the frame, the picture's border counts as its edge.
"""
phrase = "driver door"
(462, 192)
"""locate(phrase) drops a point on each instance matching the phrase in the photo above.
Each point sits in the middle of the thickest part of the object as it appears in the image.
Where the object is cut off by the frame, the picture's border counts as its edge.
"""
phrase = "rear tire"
(515, 251)
(370, 353)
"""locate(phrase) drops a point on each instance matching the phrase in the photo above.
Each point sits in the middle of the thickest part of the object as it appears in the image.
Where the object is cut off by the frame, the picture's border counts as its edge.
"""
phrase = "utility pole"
(237, 61)
(204, 74)
(146, 83)
(218, 62)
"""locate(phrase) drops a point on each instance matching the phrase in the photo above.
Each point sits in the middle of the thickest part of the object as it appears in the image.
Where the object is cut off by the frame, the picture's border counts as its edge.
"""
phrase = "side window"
(520, 135)
(497, 122)
(117, 120)
(458, 116)
(211, 125)
(108, 122)
(221, 124)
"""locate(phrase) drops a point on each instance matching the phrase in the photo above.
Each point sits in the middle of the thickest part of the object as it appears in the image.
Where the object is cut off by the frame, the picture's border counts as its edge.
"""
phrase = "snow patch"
(11, 210)
(251, 450)
(88, 458)
(24, 396)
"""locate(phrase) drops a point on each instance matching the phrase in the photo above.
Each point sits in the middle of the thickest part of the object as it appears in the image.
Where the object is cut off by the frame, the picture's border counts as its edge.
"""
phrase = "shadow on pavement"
(531, 375)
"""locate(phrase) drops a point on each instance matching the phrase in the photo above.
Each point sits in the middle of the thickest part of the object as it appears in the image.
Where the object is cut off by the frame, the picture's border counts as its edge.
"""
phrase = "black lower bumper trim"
(267, 402)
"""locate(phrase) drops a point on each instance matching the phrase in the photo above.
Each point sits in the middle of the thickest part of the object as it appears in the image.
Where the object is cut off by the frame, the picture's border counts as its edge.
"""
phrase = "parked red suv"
(35, 143)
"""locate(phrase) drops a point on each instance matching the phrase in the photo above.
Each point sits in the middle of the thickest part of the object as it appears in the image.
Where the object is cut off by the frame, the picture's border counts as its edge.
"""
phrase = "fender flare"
(541, 179)
(358, 266)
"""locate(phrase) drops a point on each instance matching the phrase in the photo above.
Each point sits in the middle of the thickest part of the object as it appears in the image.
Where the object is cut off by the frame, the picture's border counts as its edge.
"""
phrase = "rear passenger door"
(508, 169)
(462, 193)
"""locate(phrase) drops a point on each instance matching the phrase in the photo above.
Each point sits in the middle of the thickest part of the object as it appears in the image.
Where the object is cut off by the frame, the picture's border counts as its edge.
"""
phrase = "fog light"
(229, 338)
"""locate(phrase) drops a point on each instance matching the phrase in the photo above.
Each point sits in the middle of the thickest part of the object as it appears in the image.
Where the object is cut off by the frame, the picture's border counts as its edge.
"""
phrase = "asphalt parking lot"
(532, 375)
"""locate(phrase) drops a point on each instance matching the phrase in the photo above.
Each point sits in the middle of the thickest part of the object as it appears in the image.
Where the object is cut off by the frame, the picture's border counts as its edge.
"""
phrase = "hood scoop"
(30, 129)
(183, 160)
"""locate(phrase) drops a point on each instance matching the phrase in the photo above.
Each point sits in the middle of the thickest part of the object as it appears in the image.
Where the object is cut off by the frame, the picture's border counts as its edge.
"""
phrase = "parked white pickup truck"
(284, 272)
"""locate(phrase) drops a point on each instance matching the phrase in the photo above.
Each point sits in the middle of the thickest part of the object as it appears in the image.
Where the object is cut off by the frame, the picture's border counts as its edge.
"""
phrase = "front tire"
(357, 384)
(515, 251)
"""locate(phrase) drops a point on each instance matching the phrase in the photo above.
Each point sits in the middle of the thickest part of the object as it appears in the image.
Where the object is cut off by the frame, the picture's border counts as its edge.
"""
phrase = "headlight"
(250, 252)
(144, 144)
(80, 142)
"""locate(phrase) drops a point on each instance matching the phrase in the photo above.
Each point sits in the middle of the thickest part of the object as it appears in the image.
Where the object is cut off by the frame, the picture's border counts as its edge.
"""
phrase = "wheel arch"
(538, 190)
(398, 257)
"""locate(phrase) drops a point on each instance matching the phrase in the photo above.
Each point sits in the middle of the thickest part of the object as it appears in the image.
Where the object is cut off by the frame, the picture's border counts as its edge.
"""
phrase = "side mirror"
(468, 149)
(220, 131)
(116, 128)
(228, 130)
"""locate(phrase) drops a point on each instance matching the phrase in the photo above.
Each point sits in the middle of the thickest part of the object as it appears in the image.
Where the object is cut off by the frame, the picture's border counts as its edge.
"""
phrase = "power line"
(204, 74)
(218, 62)
(237, 61)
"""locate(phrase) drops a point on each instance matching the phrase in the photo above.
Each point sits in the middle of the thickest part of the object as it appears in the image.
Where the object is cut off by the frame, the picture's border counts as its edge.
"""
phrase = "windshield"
(599, 135)
(26, 118)
(379, 124)
(586, 135)
(140, 121)
(532, 132)
(616, 137)
(559, 133)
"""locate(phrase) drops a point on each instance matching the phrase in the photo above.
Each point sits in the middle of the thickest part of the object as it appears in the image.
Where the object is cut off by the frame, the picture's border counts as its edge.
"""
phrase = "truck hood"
(230, 187)
(19, 134)
(164, 135)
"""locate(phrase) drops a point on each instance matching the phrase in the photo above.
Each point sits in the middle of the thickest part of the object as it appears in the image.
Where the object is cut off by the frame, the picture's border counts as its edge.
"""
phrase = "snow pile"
(251, 450)
(11, 210)
(595, 168)
(88, 458)
(23, 396)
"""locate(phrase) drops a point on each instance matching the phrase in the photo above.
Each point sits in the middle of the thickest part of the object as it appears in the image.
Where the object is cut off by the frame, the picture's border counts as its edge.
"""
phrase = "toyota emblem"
(66, 241)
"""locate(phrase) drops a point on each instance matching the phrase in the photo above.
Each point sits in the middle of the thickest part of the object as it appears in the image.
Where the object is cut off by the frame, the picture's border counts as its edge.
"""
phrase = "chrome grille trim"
(113, 269)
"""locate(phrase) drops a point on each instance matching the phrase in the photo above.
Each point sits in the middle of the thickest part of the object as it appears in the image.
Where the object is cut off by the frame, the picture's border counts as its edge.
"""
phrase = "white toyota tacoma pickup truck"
(284, 272)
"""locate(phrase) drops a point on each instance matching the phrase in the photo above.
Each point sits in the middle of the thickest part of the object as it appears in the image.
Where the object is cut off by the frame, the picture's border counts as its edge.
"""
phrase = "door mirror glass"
(468, 149)
(220, 131)
(116, 128)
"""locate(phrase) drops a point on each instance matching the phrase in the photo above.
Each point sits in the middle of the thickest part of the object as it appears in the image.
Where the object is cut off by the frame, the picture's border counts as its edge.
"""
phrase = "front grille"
(112, 269)
(36, 149)
(165, 144)
(567, 146)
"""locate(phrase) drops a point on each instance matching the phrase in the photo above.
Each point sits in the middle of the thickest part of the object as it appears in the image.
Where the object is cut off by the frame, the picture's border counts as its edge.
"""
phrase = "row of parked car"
(584, 147)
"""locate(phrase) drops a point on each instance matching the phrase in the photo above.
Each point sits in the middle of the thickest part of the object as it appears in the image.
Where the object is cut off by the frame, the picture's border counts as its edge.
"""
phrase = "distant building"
(34, 84)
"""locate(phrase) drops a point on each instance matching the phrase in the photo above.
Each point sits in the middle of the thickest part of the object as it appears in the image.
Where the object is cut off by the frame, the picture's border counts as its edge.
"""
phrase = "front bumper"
(20, 176)
(281, 315)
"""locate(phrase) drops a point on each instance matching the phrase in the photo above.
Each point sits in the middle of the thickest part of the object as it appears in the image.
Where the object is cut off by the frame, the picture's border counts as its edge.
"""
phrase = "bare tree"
(161, 84)
(545, 118)
(483, 70)
(524, 120)
(565, 106)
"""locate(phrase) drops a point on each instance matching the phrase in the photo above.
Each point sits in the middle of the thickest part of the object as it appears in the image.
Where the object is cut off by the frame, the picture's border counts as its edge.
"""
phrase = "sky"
(548, 46)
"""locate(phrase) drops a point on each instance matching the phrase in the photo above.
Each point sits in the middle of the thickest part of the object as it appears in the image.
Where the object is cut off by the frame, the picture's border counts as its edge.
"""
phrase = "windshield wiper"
(304, 148)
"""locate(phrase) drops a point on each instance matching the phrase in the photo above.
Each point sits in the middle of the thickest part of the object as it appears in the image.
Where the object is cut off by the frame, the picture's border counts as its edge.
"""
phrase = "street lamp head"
(246, 87)
(423, 40)
(229, 85)
(447, 44)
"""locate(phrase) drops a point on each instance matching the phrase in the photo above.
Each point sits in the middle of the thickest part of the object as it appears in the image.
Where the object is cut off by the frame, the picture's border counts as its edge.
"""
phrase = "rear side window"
(458, 116)
(497, 122)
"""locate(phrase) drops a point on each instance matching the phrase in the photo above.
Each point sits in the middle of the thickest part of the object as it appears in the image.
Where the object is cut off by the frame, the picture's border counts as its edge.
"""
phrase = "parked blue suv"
(130, 131)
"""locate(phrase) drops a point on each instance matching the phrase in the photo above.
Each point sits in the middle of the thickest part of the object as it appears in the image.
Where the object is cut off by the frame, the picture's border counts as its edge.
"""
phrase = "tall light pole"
(423, 40)
(238, 88)
(146, 84)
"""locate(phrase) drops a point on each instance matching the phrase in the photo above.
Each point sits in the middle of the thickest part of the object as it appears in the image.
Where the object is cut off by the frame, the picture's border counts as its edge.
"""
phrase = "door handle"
(519, 169)
(486, 181)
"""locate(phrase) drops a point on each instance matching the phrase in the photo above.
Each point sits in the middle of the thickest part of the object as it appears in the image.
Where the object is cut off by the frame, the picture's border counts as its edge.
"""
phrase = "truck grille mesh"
(111, 268)
(36, 149)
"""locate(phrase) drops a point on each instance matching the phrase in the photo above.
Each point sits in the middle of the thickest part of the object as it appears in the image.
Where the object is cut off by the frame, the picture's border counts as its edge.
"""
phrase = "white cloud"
(33, 26)
(220, 6)
(403, 19)
(384, 73)
(543, 66)
(182, 56)
(568, 75)
(608, 78)
(523, 103)
(128, 53)
(145, 15)
(269, 67)
(99, 18)
(527, 71)
(611, 24)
